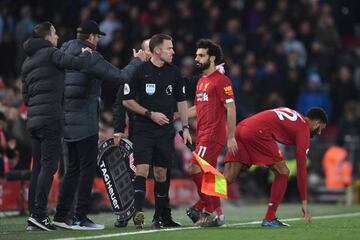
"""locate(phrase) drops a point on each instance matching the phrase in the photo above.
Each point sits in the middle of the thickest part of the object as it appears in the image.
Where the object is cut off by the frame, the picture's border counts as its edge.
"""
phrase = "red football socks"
(217, 205)
(278, 189)
(200, 205)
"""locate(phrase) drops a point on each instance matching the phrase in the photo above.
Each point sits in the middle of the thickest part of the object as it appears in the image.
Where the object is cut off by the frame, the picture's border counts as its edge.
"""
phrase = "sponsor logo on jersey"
(150, 88)
(202, 97)
(228, 90)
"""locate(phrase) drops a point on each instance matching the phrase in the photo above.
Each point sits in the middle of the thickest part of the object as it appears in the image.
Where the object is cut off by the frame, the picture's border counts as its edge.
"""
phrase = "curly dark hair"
(213, 48)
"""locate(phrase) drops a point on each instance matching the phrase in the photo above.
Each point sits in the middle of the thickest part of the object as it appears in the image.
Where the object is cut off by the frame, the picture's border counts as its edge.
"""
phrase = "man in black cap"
(82, 110)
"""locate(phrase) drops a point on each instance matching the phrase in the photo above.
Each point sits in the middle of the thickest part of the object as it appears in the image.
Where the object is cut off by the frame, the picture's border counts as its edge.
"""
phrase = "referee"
(151, 94)
(119, 123)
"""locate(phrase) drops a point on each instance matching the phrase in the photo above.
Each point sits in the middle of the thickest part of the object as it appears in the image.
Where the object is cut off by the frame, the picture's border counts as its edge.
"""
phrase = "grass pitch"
(243, 222)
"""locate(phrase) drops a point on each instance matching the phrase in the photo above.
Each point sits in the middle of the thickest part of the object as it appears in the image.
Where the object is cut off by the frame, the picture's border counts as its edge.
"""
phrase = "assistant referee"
(152, 93)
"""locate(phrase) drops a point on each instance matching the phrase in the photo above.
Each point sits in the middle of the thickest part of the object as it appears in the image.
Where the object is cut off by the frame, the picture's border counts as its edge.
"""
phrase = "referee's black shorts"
(154, 149)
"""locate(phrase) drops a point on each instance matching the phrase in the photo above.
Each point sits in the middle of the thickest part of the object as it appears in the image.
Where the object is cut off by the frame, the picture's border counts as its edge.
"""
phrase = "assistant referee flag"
(213, 182)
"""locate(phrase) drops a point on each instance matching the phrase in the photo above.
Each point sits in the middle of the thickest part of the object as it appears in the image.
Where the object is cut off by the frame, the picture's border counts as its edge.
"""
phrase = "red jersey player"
(256, 137)
(215, 111)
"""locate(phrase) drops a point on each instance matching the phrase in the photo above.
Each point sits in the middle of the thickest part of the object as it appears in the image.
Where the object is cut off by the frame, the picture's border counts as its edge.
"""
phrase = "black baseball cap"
(88, 27)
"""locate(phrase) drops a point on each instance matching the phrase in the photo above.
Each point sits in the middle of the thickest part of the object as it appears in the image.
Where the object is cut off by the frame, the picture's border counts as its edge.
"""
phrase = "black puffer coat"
(83, 90)
(43, 81)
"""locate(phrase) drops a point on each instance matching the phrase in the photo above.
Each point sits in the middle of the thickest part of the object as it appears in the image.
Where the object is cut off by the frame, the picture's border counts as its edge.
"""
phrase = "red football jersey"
(212, 93)
(287, 127)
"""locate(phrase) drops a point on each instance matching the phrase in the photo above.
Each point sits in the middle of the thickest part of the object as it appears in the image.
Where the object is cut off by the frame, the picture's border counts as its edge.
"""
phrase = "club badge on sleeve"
(228, 90)
(126, 89)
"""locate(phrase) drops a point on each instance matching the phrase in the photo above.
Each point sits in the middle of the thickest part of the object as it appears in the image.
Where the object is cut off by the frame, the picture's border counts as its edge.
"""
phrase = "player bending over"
(257, 138)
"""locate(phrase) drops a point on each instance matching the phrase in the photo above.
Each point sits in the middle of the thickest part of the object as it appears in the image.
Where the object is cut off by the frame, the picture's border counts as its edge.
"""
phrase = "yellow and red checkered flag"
(213, 182)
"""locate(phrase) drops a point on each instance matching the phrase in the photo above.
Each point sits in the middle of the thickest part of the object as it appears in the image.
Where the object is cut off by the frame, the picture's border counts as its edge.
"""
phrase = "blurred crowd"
(294, 53)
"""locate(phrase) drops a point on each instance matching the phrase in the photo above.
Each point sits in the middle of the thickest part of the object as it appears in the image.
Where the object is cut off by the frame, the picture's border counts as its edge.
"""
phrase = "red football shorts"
(209, 151)
(255, 147)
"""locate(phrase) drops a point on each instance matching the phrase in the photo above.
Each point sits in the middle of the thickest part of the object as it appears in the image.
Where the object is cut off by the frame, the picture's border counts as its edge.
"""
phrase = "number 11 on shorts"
(202, 151)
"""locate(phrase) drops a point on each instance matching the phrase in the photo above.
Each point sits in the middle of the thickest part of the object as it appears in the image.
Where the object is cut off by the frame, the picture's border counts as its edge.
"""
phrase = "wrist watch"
(186, 126)
(147, 114)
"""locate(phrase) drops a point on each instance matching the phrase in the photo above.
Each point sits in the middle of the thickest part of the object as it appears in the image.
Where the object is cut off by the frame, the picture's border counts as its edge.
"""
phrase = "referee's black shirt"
(157, 89)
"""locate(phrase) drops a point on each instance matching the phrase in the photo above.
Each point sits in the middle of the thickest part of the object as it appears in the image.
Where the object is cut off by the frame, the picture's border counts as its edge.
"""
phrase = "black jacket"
(82, 91)
(43, 81)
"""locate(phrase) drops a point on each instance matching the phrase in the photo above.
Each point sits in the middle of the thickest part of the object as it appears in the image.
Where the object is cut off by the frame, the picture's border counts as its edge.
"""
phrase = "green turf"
(336, 228)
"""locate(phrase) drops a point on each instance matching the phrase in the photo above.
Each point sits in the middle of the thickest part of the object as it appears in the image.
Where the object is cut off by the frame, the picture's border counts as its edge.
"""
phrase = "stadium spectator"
(291, 44)
(343, 90)
(25, 26)
(7, 147)
(314, 95)
(348, 133)
(108, 26)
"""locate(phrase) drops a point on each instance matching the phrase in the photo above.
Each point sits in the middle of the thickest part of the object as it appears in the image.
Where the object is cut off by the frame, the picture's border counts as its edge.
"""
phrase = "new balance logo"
(45, 221)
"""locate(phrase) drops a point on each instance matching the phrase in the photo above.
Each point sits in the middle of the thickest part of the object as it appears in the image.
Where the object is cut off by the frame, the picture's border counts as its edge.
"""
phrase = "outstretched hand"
(139, 54)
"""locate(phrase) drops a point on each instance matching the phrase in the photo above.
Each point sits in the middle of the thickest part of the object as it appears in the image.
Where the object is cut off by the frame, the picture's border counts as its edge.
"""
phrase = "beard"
(203, 66)
(314, 132)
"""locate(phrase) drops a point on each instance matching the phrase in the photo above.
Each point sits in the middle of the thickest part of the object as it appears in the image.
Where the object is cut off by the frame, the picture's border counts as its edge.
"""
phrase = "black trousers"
(79, 177)
(46, 151)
